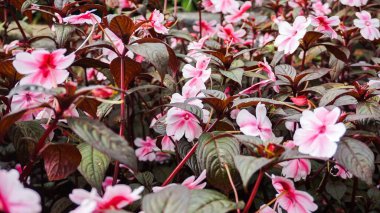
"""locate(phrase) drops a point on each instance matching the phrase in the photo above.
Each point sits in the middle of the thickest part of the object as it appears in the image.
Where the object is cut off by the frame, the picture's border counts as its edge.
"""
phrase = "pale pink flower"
(354, 3)
(115, 197)
(156, 19)
(84, 18)
(319, 132)
(162, 156)
(94, 74)
(255, 126)
(290, 199)
(230, 35)
(167, 144)
(194, 47)
(225, 6)
(182, 123)
(43, 68)
(239, 14)
(199, 71)
(340, 171)
(26, 100)
(367, 25)
(146, 150)
(321, 9)
(14, 197)
(234, 113)
(266, 209)
(325, 25)
(264, 39)
(154, 120)
(13, 45)
(288, 39)
(117, 42)
(255, 87)
(208, 28)
(193, 86)
(191, 183)
(259, 3)
(291, 125)
(297, 168)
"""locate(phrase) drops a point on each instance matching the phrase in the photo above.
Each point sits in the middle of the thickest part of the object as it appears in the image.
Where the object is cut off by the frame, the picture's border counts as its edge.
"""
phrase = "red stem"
(122, 115)
(180, 165)
(254, 192)
(41, 143)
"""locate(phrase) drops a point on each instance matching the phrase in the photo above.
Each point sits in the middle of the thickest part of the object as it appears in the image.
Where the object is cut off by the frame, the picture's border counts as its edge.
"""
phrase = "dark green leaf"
(249, 165)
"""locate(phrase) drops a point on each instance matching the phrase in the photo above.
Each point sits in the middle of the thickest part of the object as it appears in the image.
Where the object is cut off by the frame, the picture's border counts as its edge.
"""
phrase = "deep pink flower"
(288, 39)
(321, 9)
(43, 68)
(126, 4)
(225, 6)
(239, 14)
(230, 35)
(367, 25)
(84, 18)
(325, 25)
(340, 171)
(156, 19)
(319, 132)
(146, 150)
(300, 100)
(255, 126)
(199, 71)
(297, 168)
(102, 92)
(354, 3)
(115, 197)
(191, 183)
(14, 197)
(290, 199)
(208, 28)
(180, 123)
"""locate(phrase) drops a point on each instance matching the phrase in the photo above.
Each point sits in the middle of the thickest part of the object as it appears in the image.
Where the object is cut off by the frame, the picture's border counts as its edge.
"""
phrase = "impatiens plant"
(235, 106)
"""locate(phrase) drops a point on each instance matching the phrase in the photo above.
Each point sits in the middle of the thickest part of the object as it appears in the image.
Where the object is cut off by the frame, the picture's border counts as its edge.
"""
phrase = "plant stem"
(122, 114)
(40, 144)
(303, 60)
(19, 26)
(180, 165)
(200, 18)
(233, 187)
(254, 192)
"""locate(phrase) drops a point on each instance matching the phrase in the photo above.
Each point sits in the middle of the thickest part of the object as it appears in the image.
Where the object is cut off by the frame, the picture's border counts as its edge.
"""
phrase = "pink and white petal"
(336, 131)
(25, 63)
(188, 71)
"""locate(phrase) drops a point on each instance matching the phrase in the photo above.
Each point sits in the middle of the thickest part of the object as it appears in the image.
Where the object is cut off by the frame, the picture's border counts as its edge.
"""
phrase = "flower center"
(322, 129)
(367, 23)
(187, 117)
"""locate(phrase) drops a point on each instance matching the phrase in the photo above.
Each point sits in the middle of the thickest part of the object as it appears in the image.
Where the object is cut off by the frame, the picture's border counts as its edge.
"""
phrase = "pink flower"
(297, 168)
(117, 42)
(266, 209)
(108, 182)
(288, 39)
(14, 197)
(325, 25)
(126, 4)
(13, 45)
(291, 125)
(354, 3)
(290, 199)
(225, 6)
(234, 113)
(156, 19)
(190, 182)
(84, 18)
(230, 35)
(209, 6)
(167, 144)
(154, 120)
(146, 150)
(255, 87)
(43, 68)
(94, 74)
(182, 123)
(208, 28)
(199, 71)
(239, 14)
(264, 66)
(340, 171)
(250, 125)
(264, 39)
(367, 25)
(321, 9)
(26, 100)
(115, 197)
(319, 132)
